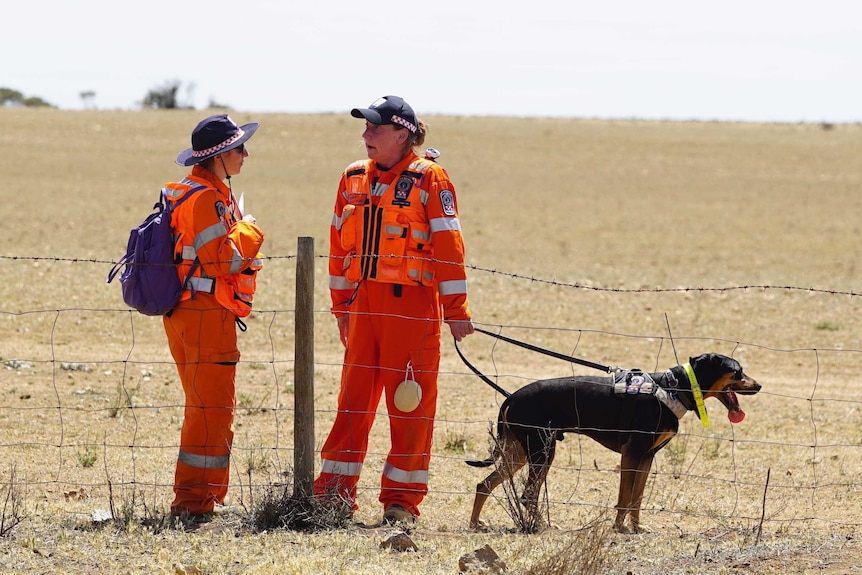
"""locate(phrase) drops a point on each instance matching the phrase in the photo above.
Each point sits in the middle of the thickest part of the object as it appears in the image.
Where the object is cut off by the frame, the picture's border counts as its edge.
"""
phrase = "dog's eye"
(737, 375)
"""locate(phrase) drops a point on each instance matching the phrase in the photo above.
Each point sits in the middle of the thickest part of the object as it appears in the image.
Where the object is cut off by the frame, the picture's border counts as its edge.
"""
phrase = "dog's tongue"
(736, 416)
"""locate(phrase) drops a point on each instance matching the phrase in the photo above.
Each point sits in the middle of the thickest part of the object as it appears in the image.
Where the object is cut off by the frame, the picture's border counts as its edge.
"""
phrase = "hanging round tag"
(408, 394)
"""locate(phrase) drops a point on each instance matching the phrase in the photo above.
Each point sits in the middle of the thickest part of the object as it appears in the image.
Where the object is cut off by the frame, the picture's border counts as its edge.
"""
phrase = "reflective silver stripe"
(379, 189)
(209, 234)
(423, 196)
(336, 221)
(177, 193)
(340, 282)
(403, 476)
(414, 275)
(189, 253)
(451, 287)
(215, 232)
(235, 261)
(419, 166)
(201, 284)
(420, 235)
(445, 225)
(393, 230)
(257, 262)
(341, 467)
(204, 461)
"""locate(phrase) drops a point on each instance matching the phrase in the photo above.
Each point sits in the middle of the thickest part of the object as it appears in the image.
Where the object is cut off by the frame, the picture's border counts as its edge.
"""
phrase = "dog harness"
(635, 382)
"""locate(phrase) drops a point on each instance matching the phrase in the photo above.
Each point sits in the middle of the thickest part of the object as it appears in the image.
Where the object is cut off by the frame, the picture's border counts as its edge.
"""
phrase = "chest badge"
(402, 191)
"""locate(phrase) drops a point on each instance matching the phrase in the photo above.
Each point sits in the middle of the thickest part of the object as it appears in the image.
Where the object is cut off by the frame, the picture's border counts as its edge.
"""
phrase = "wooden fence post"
(303, 418)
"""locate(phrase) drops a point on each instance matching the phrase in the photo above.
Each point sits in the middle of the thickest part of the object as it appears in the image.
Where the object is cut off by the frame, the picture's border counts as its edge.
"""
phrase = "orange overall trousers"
(202, 339)
(394, 334)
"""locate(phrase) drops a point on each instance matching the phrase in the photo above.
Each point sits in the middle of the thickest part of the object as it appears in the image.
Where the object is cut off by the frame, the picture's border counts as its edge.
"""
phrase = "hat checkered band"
(403, 122)
(201, 153)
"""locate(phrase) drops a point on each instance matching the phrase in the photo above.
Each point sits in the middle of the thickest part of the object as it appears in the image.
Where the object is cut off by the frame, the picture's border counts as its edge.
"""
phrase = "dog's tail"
(481, 463)
(497, 449)
(488, 461)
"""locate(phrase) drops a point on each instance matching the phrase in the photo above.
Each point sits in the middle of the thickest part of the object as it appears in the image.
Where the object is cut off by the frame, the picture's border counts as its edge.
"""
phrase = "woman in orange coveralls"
(396, 271)
(201, 330)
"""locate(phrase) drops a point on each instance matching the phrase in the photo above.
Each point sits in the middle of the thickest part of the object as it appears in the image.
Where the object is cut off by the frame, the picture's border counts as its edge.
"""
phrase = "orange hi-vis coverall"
(397, 267)
(202, 334)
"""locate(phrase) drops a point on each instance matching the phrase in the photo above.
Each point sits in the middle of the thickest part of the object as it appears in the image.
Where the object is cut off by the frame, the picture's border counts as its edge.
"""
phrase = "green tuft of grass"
(87, 456)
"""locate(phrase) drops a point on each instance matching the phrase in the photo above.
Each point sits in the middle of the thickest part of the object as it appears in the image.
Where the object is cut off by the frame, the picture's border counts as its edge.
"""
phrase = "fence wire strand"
(124, 424)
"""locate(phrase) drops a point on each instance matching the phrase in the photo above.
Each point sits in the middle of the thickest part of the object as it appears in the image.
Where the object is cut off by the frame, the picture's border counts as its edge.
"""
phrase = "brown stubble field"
(588, 237)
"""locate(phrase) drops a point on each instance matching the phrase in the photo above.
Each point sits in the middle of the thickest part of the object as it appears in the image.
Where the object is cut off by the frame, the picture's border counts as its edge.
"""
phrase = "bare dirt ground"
(587, 237)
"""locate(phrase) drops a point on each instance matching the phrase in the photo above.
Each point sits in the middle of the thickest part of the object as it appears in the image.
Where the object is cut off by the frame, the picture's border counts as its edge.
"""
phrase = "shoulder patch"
(447, 199)
(221, 210)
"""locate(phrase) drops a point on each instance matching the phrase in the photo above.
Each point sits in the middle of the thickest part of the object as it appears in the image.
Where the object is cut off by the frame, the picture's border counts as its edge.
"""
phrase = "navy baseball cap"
(388, 110)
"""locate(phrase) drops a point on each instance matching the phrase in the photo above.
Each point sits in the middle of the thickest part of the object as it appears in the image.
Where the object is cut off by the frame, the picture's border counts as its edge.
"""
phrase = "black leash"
(479, 373)
(599, 366)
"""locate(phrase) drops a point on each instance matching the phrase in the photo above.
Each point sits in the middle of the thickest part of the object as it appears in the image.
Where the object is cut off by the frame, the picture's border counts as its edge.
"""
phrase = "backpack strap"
(174, 205)
(163, 199)
(117, 266)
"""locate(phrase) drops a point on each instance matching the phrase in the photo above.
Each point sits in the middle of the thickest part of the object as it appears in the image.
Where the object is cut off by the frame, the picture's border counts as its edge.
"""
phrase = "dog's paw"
(623, 529)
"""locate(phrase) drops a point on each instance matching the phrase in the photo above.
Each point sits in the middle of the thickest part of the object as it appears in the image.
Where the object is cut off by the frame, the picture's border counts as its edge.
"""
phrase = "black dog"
(636, 425)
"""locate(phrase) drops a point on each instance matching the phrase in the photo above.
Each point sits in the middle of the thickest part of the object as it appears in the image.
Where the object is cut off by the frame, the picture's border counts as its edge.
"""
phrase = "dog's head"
(722, 377)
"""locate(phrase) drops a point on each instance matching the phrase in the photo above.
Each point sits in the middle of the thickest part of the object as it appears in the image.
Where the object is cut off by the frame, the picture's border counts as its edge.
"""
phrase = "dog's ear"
(711, 359)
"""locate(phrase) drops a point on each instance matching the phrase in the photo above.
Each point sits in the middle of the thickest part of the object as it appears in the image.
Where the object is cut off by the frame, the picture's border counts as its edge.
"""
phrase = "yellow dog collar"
(698, 396)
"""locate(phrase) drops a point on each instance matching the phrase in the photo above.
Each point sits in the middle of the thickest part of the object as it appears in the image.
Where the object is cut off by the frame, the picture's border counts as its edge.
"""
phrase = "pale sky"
(760, 61)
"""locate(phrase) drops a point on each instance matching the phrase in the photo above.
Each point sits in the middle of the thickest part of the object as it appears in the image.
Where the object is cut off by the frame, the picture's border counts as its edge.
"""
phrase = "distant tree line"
(10, 97)
(164, 97)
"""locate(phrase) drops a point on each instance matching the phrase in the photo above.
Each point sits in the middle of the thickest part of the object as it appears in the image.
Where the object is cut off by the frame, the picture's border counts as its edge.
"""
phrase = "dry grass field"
(587, 237)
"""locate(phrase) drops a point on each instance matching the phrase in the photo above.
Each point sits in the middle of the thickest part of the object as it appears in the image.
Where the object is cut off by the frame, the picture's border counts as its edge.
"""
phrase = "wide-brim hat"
(214, 135)
(388, 110)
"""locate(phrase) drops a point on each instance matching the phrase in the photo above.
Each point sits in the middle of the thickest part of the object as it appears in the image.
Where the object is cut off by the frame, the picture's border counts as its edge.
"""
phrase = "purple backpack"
(150, 281)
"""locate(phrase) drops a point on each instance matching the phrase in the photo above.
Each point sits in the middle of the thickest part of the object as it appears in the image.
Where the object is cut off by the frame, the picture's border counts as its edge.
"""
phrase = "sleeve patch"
(447, 199)
(221, 211)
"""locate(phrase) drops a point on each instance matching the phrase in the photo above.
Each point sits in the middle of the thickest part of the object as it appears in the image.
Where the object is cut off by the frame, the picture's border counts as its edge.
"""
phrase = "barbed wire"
(514, 275)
